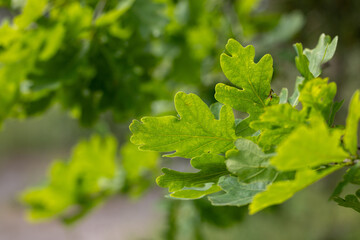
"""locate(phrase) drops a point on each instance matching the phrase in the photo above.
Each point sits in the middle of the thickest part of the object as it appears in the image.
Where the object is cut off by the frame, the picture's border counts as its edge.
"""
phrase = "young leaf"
(211, 167)
(352, 123)
(322, 53)
(252, 79)
(276, 123)
(279, 192)
(319, 95)
(309, 147)
(309, 62)
(195, 132)
(249, 163)
(236, 193)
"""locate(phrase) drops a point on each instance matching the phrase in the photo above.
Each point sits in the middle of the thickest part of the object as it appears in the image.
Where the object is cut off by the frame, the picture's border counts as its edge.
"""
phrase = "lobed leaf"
(322, 53)
(211, 167)
(194, 132)
(319, 95)
(309, 62)
(281, 191)
(309, 146)
(196, 192)
(276, 123)
(249, 163)
(236, 193)
(252, 81)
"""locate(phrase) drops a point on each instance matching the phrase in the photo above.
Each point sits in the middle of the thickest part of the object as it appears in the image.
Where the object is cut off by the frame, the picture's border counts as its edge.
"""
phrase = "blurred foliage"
(140, 169)
(95, 56)
(90, 176)
(83, 182)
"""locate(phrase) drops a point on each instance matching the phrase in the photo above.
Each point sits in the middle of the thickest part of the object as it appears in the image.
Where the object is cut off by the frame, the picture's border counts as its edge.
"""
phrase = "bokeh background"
(148, 53)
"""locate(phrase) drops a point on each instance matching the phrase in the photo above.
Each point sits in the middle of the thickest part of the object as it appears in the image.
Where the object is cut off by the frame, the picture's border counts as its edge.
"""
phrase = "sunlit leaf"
(252, 81)
(211, 167)
(309, 147)
(281, 191)
(194, 132)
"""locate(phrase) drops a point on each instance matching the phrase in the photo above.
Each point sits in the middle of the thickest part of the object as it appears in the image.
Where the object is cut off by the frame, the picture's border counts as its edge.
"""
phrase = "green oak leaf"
(196, 192)
(194, 132)
(322, 53)
(211, 167)
(309, 62)
(276, 123)
(236, 193)
(252, 81)
(309, 146)
(249, 163)
(279, 192)
(350, 201)
(319, 95)
(352, 123)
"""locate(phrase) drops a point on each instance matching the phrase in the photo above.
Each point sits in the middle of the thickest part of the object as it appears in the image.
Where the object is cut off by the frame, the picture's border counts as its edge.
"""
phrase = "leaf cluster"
(280, 148)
